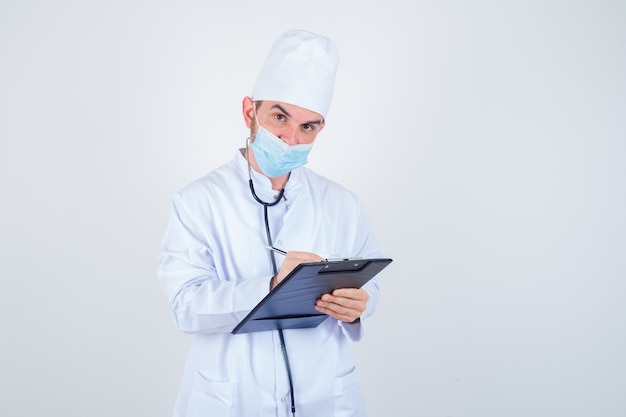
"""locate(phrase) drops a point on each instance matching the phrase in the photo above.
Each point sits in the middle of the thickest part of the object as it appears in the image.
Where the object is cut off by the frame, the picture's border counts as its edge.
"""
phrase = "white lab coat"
(214, 268)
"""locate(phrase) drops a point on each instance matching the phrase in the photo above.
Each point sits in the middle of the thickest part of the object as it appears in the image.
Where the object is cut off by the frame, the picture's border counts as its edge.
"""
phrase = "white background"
(486, 139)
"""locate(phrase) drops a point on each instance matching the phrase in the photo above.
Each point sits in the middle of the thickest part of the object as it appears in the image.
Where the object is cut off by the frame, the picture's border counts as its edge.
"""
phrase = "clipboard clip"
(355, 258)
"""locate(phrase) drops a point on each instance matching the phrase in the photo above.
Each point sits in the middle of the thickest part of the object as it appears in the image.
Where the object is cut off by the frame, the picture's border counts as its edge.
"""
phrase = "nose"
(289, 135)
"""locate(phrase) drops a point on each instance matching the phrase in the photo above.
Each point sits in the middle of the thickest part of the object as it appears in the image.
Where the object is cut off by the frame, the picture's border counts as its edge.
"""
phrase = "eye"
(280, 117)
(308, 127)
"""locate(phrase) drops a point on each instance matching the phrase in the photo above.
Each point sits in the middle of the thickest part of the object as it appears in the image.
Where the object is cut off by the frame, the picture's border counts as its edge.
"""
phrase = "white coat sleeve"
(365, 245)
(200, 301)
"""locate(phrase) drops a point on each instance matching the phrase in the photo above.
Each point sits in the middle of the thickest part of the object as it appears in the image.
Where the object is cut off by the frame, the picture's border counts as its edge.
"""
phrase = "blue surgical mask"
(274, 156)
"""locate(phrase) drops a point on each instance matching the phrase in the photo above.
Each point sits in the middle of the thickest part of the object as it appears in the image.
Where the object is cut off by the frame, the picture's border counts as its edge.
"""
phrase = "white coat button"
(282, 400)
(280, 242)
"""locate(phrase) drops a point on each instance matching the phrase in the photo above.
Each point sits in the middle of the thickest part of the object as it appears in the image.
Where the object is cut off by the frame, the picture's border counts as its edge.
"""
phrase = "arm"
(349, 305)
(201, 298)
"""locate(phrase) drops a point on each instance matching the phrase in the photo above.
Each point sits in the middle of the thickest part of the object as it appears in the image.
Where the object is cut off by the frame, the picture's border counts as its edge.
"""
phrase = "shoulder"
(222, 180)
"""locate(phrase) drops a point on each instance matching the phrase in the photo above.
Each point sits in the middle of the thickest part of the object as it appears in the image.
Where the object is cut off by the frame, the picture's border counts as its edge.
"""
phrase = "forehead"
(291, 110)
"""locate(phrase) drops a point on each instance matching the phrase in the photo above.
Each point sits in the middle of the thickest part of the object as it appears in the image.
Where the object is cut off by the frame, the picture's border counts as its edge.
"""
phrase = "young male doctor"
(215, 266)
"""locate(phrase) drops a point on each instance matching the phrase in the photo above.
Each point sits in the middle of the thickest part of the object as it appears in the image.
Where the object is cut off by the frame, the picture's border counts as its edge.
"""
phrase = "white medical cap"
(300, 70)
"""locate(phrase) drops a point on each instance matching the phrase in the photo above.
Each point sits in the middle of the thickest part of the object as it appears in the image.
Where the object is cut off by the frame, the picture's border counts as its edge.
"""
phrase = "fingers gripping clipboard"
(291, 304)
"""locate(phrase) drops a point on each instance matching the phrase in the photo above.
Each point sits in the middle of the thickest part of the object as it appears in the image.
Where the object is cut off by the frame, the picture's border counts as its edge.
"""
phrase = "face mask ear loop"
(256, 117)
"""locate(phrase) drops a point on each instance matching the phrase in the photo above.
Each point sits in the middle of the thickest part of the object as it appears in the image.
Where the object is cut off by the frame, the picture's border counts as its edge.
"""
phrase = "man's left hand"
(345, 304)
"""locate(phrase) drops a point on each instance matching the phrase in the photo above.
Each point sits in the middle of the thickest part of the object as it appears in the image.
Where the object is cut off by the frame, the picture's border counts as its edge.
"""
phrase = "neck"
(278, 183)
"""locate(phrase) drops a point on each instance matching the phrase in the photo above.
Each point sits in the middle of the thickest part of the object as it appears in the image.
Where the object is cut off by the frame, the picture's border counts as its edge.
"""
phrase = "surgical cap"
(300, 70)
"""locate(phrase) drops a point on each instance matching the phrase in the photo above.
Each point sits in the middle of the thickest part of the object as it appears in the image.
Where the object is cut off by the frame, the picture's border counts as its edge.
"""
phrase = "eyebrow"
(314, 122)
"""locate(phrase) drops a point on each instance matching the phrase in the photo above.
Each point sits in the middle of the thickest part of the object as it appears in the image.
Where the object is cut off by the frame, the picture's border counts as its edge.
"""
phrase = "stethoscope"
(268, 235)
(265, 206)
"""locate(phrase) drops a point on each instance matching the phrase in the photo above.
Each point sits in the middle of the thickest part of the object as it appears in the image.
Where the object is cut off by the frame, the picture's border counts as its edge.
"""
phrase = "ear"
(247, 108)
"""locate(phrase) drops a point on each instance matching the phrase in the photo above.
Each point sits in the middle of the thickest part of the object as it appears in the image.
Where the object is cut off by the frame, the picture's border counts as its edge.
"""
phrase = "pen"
(272, 248)
(282, 252)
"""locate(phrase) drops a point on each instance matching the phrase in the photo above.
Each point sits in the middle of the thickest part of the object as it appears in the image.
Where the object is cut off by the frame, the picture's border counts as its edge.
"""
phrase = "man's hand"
(345, 304)
(293, 259)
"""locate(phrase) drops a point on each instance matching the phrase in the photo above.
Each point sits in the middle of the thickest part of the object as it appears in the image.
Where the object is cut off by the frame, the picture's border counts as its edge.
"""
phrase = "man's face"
(292, 124)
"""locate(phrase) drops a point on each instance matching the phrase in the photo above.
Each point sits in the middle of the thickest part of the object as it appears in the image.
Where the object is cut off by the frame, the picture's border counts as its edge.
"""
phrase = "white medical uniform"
(214, 268)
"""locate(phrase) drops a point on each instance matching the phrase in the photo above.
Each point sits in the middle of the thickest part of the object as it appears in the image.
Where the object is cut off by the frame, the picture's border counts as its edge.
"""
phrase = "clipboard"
(291, 304)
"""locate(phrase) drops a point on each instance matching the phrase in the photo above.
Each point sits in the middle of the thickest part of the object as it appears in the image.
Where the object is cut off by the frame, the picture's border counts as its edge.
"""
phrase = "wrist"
(272, 282)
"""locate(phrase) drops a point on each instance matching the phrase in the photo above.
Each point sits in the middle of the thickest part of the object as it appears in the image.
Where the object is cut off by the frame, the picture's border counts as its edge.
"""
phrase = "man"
(215, 266)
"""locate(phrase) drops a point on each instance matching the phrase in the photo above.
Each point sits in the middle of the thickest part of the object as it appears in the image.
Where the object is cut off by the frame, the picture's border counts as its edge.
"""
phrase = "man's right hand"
(293, 259)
